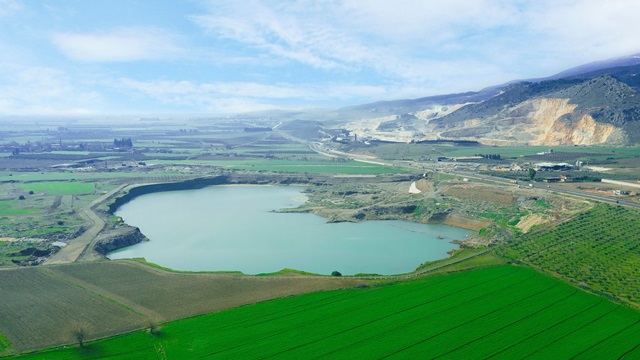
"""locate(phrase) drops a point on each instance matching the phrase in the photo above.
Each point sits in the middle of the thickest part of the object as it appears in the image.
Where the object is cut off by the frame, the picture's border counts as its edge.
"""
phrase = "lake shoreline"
(357, 238)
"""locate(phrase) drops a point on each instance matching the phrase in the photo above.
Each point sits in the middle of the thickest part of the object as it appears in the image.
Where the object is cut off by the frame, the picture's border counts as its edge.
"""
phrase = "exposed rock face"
(585, 131)
(118, 238)
(600, 110)
(540, 121)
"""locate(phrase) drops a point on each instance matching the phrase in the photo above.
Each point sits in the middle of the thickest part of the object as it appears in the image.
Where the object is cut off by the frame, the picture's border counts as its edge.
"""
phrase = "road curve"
(75, 247)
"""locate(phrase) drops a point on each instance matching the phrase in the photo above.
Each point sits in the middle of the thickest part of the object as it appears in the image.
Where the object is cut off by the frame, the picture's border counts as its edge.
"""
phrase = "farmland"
(560, 153)
(597, 250)
(59, 188)
(40, 305)
(501, 312)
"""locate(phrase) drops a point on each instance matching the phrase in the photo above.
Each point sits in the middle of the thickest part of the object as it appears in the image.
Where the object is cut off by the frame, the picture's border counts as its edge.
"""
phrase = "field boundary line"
(575, 291)
(573, 331)
(107, 295)
(580, 313)
(471, 320)
(422, 317)
(371, 321)
(607, 338)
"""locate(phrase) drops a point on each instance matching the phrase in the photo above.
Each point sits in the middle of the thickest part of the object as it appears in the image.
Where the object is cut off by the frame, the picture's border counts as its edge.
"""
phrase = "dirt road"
(75, 248)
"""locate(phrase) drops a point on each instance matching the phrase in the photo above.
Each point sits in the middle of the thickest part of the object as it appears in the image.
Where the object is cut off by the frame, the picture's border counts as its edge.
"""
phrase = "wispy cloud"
(417, 40)
(119, 45)
(43, 91)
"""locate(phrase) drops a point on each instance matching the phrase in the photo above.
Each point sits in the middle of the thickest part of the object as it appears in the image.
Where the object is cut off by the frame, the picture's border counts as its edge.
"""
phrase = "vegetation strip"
(596, 250)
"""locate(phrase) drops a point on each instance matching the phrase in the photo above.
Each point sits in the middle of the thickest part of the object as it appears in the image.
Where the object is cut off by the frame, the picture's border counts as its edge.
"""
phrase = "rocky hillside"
(556, 112)
(601, 107)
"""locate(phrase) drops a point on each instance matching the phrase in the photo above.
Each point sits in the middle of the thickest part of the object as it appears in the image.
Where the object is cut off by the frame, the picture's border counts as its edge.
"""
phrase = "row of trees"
(123, 143)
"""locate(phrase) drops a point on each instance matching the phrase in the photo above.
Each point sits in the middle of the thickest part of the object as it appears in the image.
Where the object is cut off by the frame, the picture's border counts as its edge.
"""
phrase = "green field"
(12, 208)
(598, 249)
(502, 312)
(59, 176)
(59, 188)
(414, 151)
(318, 167)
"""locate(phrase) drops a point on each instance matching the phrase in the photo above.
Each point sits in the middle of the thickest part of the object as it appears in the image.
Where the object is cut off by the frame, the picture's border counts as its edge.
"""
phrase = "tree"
(154, 328)
(336, 273)
(79, 333)
(532, 173)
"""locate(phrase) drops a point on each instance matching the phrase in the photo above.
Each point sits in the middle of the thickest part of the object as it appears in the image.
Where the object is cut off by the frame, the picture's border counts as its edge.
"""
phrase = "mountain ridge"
(590, 105)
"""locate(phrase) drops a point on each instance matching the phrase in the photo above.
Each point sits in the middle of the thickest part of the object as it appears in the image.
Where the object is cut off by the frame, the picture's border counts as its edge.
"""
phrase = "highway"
(319, 148)
(552, 188)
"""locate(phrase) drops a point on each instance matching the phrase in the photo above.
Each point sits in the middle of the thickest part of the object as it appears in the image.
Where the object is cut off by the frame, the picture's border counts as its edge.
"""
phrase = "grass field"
(413, 151)
(60, 176)
(501, 312)
(318, 167)
(598, 249)
(10, 207)
(59, 187)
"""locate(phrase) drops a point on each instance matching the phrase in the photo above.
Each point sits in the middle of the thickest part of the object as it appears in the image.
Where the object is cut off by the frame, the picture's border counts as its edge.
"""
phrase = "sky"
(155, 57)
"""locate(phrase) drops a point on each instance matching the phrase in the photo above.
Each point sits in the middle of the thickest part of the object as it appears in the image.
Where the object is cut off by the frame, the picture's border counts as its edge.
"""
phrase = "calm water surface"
(232, 228)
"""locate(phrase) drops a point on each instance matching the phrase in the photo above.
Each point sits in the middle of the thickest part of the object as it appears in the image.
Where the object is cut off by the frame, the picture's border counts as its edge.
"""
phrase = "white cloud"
(586, 29)
(417, 40)
(119, 45)
(43, 91)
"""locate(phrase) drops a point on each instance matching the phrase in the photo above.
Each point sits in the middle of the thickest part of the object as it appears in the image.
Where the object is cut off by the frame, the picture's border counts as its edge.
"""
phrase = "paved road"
(74, 249)
(319, 148)
(552, 188)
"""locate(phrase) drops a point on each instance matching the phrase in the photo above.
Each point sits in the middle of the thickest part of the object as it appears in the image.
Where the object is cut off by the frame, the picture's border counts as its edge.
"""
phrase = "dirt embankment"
(482, 193)
(136, 191)
(118, 238)
(464, 222)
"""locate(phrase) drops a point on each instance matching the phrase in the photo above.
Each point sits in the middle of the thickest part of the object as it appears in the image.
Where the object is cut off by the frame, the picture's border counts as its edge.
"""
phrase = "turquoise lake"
(233, 228)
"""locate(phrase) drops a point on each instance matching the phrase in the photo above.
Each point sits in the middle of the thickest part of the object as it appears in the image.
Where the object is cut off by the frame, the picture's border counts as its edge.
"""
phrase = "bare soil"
(482, 193)
(40, 305)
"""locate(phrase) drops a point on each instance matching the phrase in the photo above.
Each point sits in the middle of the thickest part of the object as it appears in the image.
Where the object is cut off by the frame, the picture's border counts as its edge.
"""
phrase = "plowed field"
(40, 306)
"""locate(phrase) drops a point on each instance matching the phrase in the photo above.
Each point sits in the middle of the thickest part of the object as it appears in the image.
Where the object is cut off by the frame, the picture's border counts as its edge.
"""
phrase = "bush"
(336, 273)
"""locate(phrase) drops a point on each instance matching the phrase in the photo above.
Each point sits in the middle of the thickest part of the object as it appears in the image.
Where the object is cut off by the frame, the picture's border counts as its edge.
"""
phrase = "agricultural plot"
(59, 188)
(40, 306)
(177, 295)
(599, 250)
(316, 167)
(560, 153)
(61, 176)
(502, 312)
(40, 310)
(9, 207)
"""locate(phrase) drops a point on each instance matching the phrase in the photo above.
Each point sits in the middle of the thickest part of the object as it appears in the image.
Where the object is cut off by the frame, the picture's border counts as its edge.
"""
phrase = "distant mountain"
(383, 108)
(554, 112)
(596, 103)
(596, 66)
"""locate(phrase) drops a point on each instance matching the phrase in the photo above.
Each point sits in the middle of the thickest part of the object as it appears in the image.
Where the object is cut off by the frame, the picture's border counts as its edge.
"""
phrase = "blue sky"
(155, 57)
